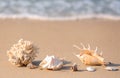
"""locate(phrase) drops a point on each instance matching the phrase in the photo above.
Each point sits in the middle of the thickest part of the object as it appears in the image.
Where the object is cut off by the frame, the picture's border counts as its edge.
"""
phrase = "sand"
(57, 38)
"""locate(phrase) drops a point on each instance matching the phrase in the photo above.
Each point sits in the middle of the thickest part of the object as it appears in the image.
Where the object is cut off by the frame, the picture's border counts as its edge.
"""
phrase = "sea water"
(60, 9)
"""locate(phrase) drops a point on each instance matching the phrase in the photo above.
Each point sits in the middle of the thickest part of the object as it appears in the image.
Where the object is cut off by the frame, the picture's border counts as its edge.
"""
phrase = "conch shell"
(90, 57)
(22, 53)
(51, 63)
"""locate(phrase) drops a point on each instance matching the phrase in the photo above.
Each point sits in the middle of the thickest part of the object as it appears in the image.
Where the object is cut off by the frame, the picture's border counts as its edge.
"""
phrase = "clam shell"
(90, 69)
(112, 68)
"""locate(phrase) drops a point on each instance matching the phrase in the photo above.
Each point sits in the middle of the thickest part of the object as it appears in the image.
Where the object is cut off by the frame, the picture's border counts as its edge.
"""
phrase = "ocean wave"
(80, 17)
(60, 9)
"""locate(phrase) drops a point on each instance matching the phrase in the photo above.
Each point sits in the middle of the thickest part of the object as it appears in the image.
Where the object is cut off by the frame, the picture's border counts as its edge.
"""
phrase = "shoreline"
(62, 18)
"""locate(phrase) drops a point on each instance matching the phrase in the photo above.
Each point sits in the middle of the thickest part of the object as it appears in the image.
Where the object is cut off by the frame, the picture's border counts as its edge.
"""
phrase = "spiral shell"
(90, 57)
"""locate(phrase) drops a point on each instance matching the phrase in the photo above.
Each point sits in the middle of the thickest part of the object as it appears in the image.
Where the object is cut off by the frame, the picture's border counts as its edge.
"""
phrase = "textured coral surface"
(22, 53)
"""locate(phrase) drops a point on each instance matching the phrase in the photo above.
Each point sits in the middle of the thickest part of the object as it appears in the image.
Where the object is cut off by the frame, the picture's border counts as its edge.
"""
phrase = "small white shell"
(111, 68)
(51, 63)
(91, 69)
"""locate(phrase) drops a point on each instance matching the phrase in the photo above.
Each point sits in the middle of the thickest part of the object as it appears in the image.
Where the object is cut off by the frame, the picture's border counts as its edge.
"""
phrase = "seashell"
(74, 67)
(31, 66)
(111, 68)
(51, 63)
(22, 53)
(90, 69)
(90, 57)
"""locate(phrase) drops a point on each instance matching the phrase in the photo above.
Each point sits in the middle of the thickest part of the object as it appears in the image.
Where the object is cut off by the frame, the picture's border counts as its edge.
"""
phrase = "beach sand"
(57, 38)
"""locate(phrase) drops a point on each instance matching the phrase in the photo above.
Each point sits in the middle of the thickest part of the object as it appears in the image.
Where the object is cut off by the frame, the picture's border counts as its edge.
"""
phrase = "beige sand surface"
(57, 38)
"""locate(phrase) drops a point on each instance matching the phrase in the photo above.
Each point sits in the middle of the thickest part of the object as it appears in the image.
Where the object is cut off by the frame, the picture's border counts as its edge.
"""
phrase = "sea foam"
(60, 9)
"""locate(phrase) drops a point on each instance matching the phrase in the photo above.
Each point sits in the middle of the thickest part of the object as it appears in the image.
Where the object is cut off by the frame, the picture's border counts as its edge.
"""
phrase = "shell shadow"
(66, 67)
(70, 68)
(113, 64)
(37, 62)
(67, 62)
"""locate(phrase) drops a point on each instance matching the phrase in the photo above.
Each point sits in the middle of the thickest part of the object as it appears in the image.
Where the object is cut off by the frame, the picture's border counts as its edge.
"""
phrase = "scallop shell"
(51, 63)
(90, 69)
(90, 57)
(22, 53)
(112, 68)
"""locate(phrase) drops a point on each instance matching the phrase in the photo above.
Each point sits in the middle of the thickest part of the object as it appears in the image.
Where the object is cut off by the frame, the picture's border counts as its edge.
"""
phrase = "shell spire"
(96, 50)
(76, 47)
(83, 46)
(101, 53)
(88, 47)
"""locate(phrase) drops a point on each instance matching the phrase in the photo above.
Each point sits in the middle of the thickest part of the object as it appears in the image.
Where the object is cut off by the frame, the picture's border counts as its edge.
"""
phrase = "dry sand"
(57, 38)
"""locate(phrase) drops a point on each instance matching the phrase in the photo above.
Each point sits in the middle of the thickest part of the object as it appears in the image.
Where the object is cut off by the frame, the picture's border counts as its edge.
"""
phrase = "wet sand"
(57, 38)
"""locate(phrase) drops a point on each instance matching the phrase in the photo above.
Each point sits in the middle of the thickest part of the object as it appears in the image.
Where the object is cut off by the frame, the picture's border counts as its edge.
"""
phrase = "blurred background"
(60, 9)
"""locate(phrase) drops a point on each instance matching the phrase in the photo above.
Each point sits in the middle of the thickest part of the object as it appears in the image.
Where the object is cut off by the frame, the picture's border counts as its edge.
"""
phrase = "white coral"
(22, 53)
(51, 63)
